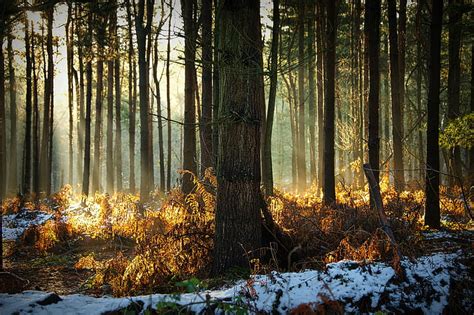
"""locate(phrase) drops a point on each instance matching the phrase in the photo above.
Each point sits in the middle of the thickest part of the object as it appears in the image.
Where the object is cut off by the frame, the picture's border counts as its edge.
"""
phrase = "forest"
(236, 156)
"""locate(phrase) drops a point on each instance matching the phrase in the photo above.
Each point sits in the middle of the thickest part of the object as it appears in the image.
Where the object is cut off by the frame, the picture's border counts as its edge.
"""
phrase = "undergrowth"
(172, 236)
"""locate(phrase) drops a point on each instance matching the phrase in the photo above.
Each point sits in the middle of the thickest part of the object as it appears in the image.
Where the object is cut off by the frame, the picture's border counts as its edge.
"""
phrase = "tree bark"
(267, 168)
(189, 141)
(143, 31)
(118, 109)
(238, 221)
(13, 168)
(320, 84)
(454, 80)
(397, 122)
(301, 153)
(36, 119)
(159, 113)
(70, 100)
(312, 91)
(207, 151)
(168, 102)
(3, 140)
(80, 96)
(45, 155)
(26, 185)
(131, 99)
(96, 180)
(329, 190)
(88, 108)
(372, 19)
(110, 108)
(432, 213)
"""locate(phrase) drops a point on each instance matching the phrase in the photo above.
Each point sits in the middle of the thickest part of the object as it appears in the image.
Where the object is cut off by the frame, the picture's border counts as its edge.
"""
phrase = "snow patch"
(14, 225)
(375, 285)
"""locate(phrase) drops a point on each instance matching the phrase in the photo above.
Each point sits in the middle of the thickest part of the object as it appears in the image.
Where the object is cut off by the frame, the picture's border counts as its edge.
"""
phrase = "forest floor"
(82, 261)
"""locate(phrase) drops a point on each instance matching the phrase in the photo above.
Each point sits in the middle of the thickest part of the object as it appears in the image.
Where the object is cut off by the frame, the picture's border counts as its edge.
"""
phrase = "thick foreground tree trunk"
(238, 223)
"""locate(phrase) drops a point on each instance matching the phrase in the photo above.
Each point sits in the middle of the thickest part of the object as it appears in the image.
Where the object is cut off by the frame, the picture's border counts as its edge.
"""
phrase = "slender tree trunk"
(328, 176)
(13, 173)
(301, 153)
(131, 99)
(312, 91)
(320, 84)
(36, 119)
(80, 95)
(189, 143)
(118, 109)
(26, 186)
(372, 19)
(88, 109)
(3, 140)
(207, 152)
(471, 150)
(98, 124)
(110, 109)
(238, 223)
(168, 102)
(454, 80)
(46, 152)
(215, 85)
(432, 215)
(143, 31)
(397, 122)
(70, 61)
(267, 168)
(159, 113)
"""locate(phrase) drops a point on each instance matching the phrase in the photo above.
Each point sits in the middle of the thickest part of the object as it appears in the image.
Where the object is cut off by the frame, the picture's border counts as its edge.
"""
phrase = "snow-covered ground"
(14, 225)
(359, 288)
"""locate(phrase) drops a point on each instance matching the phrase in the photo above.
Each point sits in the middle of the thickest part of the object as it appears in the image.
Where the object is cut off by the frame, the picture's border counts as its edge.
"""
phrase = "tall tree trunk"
(215, 85)
(159, 113)
(207, 152)
(3, 140)
(88, 108)
(238, 223)
(432, 215)
(80, 96)
(168, 102)
(320, 84)
(312, 91)
(397, 125)
(301, 154)
(358, 104)
(110, 108)
(189, 143)
(26, 184)
(46, 152)
(372, 19)
(98, 124)
(70, 100)
(36, 119)
(267, 168)
(419, 79)
(454, 79)
(329, 189)
(131, 99)
(13, 173)
(143, 31)
(118, 109)
(471, 150)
